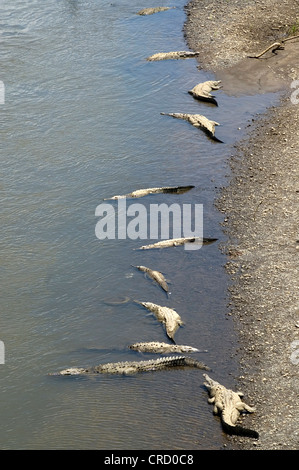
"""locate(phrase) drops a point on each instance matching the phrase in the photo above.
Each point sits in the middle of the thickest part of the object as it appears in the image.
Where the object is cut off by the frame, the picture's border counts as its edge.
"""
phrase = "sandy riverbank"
(260, 205)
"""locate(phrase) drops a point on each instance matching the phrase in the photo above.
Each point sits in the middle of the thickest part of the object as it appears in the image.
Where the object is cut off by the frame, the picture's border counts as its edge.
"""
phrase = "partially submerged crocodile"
(229, 406)
(127, 368)
(151, 11)
(147, 191)
(173, 55)
(156, 276)
(162, 348)
(178, 242)
(168, 316)
(202, 91)
(199, 121)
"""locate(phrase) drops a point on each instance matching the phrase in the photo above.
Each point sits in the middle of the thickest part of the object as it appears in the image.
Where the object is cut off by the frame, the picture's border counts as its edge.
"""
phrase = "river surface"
(81, 122)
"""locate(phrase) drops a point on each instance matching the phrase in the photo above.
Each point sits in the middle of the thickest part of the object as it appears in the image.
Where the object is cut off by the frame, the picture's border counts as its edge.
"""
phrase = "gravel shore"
(260, 205)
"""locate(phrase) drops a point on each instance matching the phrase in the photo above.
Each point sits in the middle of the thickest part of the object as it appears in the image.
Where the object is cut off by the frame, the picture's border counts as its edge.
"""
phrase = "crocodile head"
(208, 381)
(72, 371)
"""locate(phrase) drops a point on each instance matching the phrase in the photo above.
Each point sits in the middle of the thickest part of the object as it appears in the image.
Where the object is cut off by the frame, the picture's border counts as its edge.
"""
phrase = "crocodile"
(168, 316)
(178, 242)
(151, 11)
(202, 90)
(128, 367)
(199, 121)
(147, 191)
(162, 348)
(228, 405)
(156, 276)
(173, 55)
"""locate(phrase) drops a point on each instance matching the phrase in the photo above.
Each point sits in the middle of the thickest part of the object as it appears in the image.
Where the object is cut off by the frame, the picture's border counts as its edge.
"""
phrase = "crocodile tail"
(195, 363)
(239, 431)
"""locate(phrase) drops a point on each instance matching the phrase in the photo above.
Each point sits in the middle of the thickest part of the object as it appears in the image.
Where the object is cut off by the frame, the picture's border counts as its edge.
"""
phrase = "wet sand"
(260, 206)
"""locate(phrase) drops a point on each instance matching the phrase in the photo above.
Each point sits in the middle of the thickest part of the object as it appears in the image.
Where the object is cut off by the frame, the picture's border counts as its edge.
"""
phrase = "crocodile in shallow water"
(229, 406)
(156, 276)
(162, 348)
(202, 91)
(173, 55)
(151, 11)
(146, 191)
(178, 242)
(127, 368)
(199, 121)
(168, 316)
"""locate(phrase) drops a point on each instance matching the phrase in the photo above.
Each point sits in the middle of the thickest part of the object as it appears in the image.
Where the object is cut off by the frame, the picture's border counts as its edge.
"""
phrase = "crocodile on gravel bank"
(229, 406)
(162, 348)
(127, 368)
